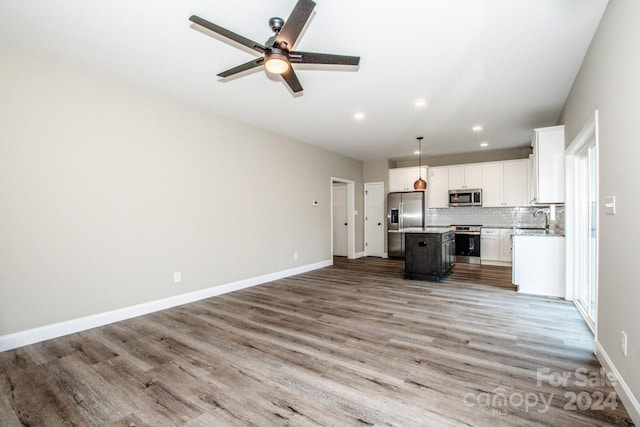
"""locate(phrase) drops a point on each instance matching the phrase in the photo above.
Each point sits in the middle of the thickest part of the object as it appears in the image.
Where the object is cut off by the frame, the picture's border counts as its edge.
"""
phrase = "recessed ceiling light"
(359, 115)
(416, 152)
(420, 103)
(476, 128)
(484, 144)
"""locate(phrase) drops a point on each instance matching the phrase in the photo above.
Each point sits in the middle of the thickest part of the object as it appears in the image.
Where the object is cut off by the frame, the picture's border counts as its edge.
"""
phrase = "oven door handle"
(468, 233)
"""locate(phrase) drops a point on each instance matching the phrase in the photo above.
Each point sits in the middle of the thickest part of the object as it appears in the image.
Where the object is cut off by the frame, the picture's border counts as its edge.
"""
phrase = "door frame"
(351, 217)
(366, 223)
(586, 134)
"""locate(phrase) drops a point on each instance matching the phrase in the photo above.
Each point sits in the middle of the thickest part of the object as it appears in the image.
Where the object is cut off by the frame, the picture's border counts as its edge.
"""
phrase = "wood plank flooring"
(351, 344)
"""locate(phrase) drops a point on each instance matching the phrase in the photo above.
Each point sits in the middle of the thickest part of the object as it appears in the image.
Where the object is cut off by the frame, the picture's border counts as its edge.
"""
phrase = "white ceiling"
(507, 65)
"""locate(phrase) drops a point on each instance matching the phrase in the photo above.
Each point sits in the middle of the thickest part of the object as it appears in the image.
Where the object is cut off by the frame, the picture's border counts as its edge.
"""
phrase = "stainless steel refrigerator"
(404, 210)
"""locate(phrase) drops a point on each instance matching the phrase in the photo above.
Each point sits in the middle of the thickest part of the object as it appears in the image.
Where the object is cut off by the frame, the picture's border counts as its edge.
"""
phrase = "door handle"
(379, 223)
(345, 223)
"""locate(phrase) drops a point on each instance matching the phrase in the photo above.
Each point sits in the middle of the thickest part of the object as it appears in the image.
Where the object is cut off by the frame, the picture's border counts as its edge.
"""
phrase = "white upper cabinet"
(402, 179)
(438, 187)
(505, 184)
(397, 179)
(516, 183)
(547, 164)
(465, 176)
(493, 188)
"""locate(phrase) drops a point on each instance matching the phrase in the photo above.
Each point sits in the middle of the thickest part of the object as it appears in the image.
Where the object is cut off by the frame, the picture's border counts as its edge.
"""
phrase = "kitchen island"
(429, 253)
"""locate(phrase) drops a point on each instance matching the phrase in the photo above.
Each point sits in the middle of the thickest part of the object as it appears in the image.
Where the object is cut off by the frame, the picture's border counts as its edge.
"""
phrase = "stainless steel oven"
(467, 243)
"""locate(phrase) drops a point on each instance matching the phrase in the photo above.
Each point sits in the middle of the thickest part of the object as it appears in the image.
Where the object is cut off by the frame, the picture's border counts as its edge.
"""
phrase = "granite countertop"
(528, 231)
(517, 230)
(539, 232)
(430, 230)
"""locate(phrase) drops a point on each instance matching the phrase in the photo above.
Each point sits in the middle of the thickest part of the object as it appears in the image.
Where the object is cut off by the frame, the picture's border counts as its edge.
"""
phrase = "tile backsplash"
(503, 217)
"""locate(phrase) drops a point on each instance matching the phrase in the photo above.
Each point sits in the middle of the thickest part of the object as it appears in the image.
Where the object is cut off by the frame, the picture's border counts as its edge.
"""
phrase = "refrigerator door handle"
(401, 218)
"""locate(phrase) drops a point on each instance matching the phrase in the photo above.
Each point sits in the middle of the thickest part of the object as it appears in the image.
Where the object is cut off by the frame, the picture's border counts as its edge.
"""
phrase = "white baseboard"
(31, 336)
(496, 263)
(359, 255)
(385, 255)
(624, 392)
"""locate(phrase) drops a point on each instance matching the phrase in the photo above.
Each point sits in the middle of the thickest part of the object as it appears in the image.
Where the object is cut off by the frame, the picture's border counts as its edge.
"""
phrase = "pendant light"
(420, 183)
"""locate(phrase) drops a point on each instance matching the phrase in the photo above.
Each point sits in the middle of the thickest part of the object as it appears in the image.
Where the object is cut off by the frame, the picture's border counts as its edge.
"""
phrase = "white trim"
(589, 130)
(359, 255)
(31, 336)
(385, 255)
(497, 263)
(585, 316)
(351, 216)
(629, 401)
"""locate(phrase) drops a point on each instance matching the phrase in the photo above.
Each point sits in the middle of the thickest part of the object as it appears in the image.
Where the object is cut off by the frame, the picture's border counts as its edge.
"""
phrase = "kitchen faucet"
(546, 217)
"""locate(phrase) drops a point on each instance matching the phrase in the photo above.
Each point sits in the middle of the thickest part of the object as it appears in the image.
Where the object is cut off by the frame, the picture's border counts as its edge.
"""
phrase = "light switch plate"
(610, 205)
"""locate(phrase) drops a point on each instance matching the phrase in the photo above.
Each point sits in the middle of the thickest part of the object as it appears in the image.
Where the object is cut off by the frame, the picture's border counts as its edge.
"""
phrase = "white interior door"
(340, 224)
(374, 215)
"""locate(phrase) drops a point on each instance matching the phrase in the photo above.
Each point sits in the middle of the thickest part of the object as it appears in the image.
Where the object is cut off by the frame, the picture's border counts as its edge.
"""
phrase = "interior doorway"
(342, 217)
(340, 222)
(582, 221)
(374, 219)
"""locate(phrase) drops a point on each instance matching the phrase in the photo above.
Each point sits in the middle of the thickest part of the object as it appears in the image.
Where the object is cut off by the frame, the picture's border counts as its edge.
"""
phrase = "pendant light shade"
(420, 183)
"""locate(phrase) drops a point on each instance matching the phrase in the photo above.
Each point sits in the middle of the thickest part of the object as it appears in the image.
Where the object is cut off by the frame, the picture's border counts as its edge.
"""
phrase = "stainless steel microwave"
(465, 197)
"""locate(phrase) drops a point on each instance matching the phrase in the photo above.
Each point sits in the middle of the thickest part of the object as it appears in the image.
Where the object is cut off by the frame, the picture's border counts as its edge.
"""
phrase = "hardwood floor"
(351, 344)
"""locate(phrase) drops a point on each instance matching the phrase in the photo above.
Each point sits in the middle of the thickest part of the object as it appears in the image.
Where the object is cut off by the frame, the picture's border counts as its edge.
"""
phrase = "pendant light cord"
(419, 156)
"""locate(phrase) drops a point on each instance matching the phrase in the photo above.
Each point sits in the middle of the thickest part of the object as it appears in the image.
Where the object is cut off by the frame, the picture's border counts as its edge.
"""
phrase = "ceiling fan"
(277, 53)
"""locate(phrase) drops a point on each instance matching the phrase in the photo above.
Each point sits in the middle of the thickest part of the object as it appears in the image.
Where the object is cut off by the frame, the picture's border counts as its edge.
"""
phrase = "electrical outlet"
(295, 255)
(177, 277)
(623, 343)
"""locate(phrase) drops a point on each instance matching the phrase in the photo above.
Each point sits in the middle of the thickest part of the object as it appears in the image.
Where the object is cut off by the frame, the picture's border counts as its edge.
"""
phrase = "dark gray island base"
(430, 253)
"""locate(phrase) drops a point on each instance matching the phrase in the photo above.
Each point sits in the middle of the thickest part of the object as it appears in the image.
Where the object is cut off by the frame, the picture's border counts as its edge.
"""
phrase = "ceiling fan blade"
(322, 58)
(291, 80)
(292, 28)
(244, 67)
(228, 34)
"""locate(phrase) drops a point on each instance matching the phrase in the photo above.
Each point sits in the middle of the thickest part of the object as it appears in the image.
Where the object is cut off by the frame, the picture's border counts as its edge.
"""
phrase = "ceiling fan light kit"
(276, 63)
(277, 56)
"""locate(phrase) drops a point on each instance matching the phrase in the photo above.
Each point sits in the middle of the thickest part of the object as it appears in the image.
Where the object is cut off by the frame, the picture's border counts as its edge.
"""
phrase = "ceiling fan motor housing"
(276, 24)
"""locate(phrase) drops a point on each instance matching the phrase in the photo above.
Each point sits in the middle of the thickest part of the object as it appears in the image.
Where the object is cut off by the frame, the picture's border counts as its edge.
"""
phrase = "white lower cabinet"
(538, 265)
(506, 244)
(495, 246)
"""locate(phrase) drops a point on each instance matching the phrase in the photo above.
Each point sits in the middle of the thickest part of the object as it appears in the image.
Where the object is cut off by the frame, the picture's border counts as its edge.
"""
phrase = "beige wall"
(608, 81)
(377, 171)
(106, 191)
